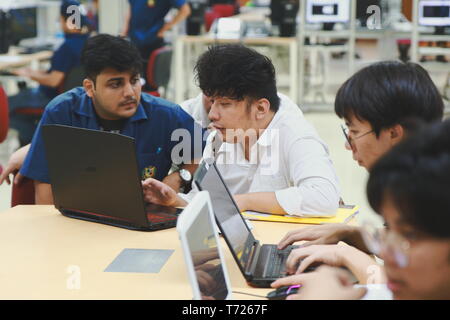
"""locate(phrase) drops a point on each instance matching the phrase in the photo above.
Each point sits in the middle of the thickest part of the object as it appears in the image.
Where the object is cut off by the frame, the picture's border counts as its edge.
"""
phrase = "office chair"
(4, 115)
(158, 69)
(22, 193)
(74, 78)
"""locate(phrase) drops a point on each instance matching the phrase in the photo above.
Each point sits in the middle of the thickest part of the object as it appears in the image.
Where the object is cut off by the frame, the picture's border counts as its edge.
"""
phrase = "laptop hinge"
(253, 258)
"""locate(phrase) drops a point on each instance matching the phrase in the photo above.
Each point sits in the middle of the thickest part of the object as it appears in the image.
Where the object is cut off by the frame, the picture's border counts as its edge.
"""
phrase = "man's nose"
(128, 90)
(213, 114)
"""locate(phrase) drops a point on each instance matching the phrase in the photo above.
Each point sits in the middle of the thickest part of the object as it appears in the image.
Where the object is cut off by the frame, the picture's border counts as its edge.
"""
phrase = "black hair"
(415, 176)
(389, 93)
(106, 51)
(237, 72)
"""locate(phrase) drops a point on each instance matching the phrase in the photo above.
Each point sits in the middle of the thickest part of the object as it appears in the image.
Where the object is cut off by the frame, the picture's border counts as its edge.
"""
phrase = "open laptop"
(203, 255)
(259, 264)
(95, 177)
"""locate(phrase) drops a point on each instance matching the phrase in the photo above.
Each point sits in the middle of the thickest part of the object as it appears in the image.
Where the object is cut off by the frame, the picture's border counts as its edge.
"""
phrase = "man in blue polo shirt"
(145, 23)
(111, 100)
(64, 59)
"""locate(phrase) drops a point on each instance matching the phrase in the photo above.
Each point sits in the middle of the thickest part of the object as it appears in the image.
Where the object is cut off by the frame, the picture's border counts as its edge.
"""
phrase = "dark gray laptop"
(259, 264)
(95, 177)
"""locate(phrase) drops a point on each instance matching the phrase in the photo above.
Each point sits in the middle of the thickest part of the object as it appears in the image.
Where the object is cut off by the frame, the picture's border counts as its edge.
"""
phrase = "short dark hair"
(415, 176)
(106, 51)
(237, 72)
(389, 93)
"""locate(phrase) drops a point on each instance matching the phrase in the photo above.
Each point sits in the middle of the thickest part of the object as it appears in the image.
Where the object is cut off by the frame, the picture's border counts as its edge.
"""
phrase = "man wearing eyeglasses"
(381, 104)
(409, 187)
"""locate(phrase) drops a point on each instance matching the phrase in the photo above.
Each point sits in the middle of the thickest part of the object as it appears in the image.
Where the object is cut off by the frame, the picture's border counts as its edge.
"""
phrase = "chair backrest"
(4, 115)
(74, 78)
(159, 66)
(23, 193)
(224, 10)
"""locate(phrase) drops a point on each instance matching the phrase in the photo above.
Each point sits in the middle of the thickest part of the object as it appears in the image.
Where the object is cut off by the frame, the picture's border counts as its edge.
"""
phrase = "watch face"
(185, 175)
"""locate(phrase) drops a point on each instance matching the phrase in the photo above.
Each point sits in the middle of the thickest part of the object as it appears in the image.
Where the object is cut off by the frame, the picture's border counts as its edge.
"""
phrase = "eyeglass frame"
(382, 238)
(347, 136)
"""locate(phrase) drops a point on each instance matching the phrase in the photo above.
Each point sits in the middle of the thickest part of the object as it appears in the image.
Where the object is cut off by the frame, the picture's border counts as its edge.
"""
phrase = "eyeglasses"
(350, 139)
(393, 244)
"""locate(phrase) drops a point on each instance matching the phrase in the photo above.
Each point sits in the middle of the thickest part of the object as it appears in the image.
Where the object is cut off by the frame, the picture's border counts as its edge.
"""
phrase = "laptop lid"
(232, 225)
(94, 176)
(203, 255)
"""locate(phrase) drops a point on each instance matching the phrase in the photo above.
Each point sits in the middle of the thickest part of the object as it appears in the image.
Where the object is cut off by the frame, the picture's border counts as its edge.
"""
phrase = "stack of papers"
(343, 215)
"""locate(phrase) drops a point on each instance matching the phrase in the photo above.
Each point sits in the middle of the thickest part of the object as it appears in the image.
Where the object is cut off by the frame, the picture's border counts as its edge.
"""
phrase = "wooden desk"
(42, 251)
(8, 61)
(182, 59)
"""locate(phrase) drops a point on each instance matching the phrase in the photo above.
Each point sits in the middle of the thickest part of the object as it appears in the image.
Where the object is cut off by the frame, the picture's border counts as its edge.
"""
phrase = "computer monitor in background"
(435, 13)
(5, 31)
(361, 10)
(195, 21)
(284, 15)
(23, 24)
(327, 12)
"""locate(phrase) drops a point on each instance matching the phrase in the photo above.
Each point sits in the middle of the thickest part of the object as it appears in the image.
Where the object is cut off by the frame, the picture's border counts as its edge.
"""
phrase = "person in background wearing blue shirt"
(145, 25)
(66, 57)
(111, 100)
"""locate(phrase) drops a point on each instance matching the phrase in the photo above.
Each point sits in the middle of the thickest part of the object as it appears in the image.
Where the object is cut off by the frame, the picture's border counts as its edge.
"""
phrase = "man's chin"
(127, 112)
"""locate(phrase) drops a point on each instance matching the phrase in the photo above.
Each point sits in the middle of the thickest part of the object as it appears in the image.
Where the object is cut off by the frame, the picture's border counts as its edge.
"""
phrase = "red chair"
(4, 115)
(218, 11)
(4, 118)
(23, 193)
(158, 69)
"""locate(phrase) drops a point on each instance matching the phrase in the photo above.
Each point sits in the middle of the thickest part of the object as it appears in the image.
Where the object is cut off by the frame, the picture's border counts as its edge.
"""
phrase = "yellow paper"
(343, 215)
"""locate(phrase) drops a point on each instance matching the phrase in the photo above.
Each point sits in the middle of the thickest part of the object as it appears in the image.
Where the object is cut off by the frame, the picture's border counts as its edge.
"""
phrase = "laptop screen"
(204, 252)
(230, 221)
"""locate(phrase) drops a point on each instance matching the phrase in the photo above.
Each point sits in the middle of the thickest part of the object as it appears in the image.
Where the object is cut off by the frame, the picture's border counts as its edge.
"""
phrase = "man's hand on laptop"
(157, 192)
(326, 283)
(324, 234)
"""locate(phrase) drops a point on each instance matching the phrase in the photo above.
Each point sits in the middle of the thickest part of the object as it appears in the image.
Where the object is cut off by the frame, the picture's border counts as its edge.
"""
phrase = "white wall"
(112, 15)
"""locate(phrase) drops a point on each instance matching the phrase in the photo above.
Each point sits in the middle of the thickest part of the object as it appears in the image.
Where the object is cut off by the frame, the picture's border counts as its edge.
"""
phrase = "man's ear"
(89, 87)
(397, 133)
(262, 108)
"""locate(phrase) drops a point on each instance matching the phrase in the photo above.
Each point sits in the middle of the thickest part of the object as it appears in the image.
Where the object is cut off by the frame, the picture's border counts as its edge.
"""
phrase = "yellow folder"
(343, 215)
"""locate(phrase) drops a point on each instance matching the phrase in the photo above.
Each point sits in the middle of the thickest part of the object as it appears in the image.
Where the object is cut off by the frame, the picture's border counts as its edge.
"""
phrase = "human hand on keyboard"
(326, 283)
(302, 258)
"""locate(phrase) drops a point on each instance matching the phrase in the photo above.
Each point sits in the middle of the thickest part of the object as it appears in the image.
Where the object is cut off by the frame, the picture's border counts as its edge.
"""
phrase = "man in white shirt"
(272, 159)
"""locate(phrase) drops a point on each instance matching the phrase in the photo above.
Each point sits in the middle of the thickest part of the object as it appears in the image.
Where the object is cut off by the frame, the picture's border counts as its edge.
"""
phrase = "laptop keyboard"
(277, 266)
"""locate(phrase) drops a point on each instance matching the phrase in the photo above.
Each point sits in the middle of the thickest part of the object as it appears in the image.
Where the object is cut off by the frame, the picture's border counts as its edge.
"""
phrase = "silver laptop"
(203, 255)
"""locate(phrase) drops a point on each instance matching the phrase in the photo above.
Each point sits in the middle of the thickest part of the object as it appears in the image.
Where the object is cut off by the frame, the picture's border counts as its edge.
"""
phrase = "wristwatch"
(186, 180)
